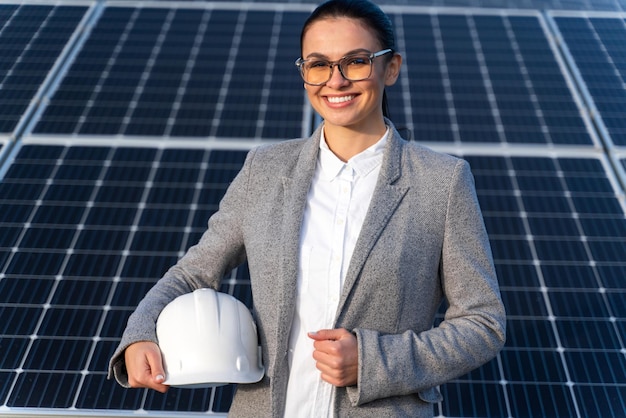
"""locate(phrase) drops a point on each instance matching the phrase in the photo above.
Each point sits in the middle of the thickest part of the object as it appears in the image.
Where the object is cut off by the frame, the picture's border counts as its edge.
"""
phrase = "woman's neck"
(345, 143)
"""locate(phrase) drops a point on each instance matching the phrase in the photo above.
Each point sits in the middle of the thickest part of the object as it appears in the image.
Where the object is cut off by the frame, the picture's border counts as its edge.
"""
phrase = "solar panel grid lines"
(192, 105)
(547, 311)
(33, 40)
(165, 167)
(591, 42)
(465, 90)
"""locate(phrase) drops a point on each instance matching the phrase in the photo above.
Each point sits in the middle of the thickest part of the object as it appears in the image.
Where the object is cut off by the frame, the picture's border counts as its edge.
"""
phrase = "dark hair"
(367, 12)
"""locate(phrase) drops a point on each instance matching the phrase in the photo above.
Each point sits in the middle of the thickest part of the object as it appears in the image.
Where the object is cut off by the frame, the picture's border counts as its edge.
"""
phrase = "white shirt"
(337, 202)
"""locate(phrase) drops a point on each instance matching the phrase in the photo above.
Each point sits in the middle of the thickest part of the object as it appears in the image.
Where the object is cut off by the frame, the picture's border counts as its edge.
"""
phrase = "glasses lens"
(316, 72)
(356, 67)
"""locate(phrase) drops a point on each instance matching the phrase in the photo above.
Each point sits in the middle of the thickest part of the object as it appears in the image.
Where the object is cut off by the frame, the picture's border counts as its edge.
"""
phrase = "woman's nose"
(337, 80)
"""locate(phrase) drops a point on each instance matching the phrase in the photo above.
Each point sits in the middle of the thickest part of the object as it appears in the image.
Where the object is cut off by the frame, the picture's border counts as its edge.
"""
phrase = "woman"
(353, 238)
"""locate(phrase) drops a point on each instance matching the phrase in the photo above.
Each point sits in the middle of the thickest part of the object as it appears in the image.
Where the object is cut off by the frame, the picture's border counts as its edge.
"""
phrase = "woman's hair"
(368, 13)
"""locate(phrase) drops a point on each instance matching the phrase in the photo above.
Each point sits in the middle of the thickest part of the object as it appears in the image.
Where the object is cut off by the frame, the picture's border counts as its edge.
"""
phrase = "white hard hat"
(208, 338)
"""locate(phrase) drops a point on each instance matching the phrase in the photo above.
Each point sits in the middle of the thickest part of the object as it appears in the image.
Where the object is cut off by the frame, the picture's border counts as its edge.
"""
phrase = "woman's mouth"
(340, 99)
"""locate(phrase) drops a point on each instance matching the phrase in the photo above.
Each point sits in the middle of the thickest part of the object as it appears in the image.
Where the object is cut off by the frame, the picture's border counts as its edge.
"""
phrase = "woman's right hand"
(144, 366)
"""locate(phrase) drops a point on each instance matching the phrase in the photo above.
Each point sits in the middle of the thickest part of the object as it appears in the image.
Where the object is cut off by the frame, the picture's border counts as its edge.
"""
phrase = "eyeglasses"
(353, 67)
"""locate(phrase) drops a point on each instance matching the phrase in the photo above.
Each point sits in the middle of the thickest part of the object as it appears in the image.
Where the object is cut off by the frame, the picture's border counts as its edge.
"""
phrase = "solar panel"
(596, 48)
(32, 38)
(556, 226)
(182, 72)
(485, 78)
(108, 185)
(87, 242)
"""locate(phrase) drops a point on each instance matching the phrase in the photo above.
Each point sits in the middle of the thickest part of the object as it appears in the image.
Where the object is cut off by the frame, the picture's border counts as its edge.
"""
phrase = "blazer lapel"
(387, 196)
(296, 187)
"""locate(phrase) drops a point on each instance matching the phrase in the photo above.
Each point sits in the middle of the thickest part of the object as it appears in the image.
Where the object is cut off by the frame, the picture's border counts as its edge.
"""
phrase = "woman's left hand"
(336, 354)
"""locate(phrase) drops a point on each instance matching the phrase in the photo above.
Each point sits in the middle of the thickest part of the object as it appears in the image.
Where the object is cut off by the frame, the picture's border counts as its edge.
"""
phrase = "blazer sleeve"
(473, 330)
(220, 249)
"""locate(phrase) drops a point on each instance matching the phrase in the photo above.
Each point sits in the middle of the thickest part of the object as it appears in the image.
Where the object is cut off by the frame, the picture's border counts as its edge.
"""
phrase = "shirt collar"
(362, 163)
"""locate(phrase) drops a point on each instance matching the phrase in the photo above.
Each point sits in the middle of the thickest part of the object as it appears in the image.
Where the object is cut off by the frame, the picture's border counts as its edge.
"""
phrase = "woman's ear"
(393, 69)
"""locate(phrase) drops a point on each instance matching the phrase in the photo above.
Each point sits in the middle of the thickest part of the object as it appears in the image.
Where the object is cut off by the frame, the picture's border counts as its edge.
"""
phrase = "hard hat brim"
(203, 380)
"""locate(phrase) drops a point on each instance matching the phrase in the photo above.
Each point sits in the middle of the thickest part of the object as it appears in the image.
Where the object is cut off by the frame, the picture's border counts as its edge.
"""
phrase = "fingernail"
(159, 377)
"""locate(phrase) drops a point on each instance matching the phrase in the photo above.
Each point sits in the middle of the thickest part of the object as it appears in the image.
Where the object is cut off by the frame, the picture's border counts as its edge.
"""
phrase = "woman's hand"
(144, 366)
(337, 356)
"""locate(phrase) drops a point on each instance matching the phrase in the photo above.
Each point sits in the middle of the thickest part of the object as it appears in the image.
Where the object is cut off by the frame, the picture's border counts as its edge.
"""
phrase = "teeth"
(340, 99)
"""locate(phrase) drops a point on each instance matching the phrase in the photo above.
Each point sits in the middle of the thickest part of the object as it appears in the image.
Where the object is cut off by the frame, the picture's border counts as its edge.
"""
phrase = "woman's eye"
(318, 64)
(356, 60)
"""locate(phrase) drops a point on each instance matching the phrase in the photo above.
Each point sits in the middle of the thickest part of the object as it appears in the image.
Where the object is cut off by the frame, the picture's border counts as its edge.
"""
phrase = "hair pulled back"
(365, 11)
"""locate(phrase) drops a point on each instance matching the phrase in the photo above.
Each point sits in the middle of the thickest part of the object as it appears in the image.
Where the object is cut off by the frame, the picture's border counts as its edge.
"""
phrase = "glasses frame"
(300, 64)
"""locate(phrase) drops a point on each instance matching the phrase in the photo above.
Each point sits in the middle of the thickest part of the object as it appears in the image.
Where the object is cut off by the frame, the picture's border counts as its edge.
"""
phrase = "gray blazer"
(423, 241)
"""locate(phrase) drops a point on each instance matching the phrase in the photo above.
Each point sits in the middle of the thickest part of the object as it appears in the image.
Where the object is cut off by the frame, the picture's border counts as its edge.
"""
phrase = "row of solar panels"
(119, 151)
(117, 70)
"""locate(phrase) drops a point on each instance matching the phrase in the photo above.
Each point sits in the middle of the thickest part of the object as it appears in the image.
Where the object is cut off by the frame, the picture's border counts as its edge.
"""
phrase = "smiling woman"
(353, 238)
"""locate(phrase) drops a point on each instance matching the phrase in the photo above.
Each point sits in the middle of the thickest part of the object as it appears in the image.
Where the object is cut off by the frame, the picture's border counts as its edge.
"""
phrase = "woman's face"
(352, 104)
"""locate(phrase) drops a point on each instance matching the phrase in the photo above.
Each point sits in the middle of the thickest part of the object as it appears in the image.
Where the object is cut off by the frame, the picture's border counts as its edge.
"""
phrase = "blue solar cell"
(194, 400)
(92, 265)
(148, 266)
(526, 334)
(127, 173)
(576, 334)
(62, 193)
(553, 226)
(603, 367)
(600, 400)
(9, 236)
(99, 393)
(111, 216)
(570, 276)
(81, 293)
(13, 350)
(82, 172)
(157, 241)
(578, 304)
(560, 250)
(113, 327)
(597, 205)
(69, 322)
(35, 263)
(27, 291)
(529, 303)
(118, 194)
(129, 293)
(170, 217)
(515, 274)
(548, 400)
(18, 320)
(473, 399)
(32, 390)
(103, 350)
(48, 238)
(532, 366)
(57, 354)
